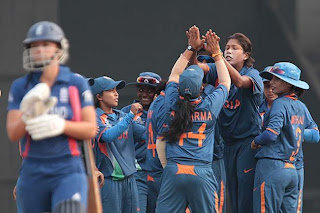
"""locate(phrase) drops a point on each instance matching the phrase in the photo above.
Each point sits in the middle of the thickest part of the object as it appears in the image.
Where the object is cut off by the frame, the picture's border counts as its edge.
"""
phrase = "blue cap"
(147, 78)
(287, 72)
(267, 69)
(190, 81)
(104, 83)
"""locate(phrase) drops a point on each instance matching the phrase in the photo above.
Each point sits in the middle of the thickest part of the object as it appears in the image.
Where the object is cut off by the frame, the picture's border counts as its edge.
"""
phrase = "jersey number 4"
(151, 144)
(199, 135)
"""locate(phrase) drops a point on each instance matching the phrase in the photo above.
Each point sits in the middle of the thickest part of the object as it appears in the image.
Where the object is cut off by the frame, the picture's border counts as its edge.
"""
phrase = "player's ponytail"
(182, 120)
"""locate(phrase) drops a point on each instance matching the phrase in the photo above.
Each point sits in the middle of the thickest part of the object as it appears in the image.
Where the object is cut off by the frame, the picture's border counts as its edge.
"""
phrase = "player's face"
(279, 86)
(234, 54)
(268, 91)
(110, 98)
(145, 95)
(43, 50)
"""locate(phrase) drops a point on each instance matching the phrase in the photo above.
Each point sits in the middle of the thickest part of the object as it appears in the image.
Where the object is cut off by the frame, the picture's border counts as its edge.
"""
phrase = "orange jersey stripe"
(216, 201)
(221, 196)
(263, 199)
(273, 131)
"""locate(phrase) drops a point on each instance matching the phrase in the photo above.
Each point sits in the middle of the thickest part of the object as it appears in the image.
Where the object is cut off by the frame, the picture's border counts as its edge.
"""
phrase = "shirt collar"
(64, 75)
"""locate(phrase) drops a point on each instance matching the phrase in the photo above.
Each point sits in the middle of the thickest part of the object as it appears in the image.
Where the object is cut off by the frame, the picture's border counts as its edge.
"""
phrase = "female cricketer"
(114, 146)
(239, 119)
(146, 84)
(276, 181)
(188, 178)
(52, 176)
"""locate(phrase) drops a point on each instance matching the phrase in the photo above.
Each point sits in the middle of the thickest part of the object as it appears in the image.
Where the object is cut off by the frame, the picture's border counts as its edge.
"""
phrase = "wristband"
(216, 54)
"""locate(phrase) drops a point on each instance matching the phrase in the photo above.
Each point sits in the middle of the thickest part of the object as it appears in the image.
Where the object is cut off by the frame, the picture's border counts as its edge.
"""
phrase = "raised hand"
(212, 43)
(193, 35)
(135, 108)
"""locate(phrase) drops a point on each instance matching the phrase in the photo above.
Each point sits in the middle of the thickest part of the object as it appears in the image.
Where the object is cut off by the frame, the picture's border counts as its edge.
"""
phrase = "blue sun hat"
(104, 83)
(267, 69)
(190, 81)
(287, 72)
(147, 78)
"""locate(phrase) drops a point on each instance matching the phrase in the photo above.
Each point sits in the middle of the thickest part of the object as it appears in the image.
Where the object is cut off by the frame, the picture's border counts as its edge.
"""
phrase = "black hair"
(182, 120)
(298, 91)
(161, 86)
(96, 101)
(246, 45)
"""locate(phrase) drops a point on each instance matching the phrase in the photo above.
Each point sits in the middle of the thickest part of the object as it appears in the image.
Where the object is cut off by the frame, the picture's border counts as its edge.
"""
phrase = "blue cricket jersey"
(288, 118)
(240, 116)
(218, 141)
(156, 122)
(140, 146)
(61, 145)
(115, 155)
(312, 125)
(196, 146)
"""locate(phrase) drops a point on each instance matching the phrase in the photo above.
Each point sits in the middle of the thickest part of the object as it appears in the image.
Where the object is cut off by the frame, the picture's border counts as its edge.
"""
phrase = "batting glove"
(39, 108)
(45, 126)
(37, 102)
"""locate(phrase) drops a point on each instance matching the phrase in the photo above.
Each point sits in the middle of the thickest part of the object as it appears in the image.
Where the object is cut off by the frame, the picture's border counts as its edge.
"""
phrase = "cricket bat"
(94, 198)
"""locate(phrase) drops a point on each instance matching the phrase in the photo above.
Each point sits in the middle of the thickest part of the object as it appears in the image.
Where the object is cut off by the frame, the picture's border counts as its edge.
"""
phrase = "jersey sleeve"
(139, 132)
(217, 98)
(172, 95)
(81, 83)
(126, 109)
(256, 79)
(109, 134)
(15, 95)
(310, 123)
(276, 117)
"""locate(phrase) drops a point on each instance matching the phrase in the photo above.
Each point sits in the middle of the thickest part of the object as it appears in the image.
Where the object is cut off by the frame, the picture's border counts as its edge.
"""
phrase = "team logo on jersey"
(87, 96)
(107, 124)
(63, 96)
(39, 30)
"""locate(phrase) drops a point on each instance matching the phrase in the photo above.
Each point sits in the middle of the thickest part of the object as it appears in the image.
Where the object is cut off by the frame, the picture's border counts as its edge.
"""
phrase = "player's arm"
(15, 125)
(161, 150)
(275, 124)
(240, 81)
(311, 135)
(86, 128)
(213, 47)
(21, 109)
(268, 136)
(110, 134)
(139, 132)
(311, 132)
(193, 40)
